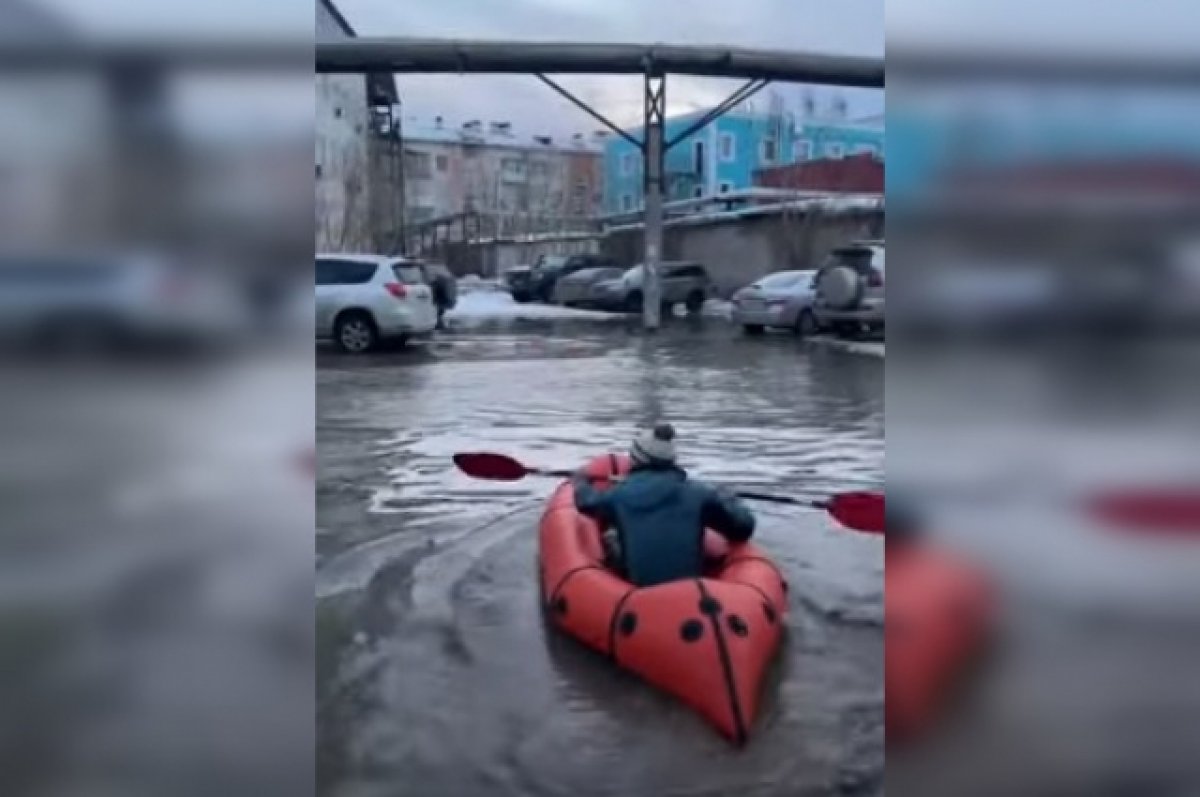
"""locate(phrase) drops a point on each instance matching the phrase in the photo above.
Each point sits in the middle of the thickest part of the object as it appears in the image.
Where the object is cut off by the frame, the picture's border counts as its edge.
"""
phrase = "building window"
(418, 164)
(770, 150)
(726, 147)
(626, 202)
(865, 149)
(337, 112)
(698, 191)
(804, 149)
(698, 157)
(512, 170)
(725, 187)
(835, 150)
(318, 171)
(628, 163)
(443, 163)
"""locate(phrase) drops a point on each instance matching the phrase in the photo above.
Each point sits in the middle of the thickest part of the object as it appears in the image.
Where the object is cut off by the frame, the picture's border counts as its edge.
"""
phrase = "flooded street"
(438, 676)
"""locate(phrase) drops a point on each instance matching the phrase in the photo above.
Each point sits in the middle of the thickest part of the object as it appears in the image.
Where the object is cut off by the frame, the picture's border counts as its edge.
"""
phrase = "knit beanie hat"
(654, 446)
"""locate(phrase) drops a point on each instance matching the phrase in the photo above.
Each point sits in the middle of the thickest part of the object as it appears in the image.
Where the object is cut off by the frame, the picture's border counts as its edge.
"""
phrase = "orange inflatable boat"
(707, 641)
(939, 613)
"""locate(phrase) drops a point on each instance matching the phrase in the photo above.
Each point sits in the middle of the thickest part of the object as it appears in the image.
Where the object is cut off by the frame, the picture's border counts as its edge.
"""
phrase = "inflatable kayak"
(707, 641)
(939, 615)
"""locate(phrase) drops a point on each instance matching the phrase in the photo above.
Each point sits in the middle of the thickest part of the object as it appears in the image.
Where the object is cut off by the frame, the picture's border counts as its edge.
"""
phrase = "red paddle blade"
(860, 511)
(494, 467)
(1152, 510)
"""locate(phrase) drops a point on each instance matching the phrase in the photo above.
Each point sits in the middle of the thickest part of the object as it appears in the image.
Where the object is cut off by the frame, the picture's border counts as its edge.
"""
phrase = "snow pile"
(869, 348)
(473, 283)
(718, 308)
(482, 306)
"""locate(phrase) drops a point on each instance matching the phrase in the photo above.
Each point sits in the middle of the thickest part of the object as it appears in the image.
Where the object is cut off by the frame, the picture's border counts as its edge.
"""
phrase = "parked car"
(363, 300)
(519, 282)
(781, 300)
(849, 289)
(685, 282)
(580, 289)
(549, 269)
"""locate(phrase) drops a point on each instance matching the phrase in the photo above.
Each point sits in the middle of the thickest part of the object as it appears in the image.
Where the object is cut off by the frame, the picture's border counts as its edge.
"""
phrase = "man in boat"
(656, 515)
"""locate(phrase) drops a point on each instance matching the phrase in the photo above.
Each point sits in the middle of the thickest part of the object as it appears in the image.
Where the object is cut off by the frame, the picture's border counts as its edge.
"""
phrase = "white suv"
(364, 299)
(849, 289)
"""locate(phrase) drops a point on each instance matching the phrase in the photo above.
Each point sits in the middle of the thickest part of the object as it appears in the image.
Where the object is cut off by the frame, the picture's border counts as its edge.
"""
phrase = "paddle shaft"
(744, 494)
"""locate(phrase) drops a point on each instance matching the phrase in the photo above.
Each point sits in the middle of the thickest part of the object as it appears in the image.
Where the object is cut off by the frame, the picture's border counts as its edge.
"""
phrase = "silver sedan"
(579, 289)
(782, 300)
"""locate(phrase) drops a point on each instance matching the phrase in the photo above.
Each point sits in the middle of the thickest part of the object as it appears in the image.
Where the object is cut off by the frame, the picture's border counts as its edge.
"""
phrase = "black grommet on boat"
(691, 630)
(709, 605)
(628, 623)
(738, 626)
(560, 605)
(769, 611)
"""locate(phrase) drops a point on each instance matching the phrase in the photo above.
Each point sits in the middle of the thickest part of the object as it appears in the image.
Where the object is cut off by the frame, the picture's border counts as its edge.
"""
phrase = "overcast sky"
(835, 26)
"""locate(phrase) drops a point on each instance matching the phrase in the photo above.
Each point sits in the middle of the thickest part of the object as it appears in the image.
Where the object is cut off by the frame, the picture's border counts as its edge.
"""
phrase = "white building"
(354, 207)
(518, 182)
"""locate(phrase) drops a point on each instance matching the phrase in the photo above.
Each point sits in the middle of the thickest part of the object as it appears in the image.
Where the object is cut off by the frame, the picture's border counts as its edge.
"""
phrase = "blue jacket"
(660, 516)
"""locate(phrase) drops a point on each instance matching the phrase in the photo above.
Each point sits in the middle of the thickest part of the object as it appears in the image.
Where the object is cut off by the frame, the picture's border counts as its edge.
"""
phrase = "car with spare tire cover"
(849, 289)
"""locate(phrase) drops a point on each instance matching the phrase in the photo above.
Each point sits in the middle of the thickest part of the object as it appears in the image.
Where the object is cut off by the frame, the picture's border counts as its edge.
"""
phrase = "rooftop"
(499, 133)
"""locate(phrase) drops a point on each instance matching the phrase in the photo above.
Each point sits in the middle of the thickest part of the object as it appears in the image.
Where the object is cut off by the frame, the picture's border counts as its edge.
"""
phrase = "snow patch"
(868, 348)
(485, 305)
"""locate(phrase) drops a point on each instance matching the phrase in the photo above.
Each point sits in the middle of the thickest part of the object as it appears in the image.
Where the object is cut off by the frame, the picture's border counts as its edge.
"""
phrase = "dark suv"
(550, 268)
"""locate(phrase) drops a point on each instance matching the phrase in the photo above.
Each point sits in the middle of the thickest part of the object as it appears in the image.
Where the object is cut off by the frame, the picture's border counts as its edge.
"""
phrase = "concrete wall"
(739, 251)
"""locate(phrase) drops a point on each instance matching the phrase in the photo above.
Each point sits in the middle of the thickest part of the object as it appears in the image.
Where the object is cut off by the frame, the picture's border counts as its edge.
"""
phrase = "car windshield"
(785, 279)
(634, 274)
(858, 258)
(408, 273)
(551, 262)
(586, 274)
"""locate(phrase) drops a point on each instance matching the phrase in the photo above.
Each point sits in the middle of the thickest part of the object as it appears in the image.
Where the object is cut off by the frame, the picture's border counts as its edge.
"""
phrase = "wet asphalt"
(436, 672)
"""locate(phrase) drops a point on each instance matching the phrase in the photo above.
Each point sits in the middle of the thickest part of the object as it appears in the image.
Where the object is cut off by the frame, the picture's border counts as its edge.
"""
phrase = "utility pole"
(653, 152)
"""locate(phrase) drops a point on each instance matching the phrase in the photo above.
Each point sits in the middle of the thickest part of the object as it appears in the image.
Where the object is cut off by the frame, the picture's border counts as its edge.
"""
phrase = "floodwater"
(436, 673)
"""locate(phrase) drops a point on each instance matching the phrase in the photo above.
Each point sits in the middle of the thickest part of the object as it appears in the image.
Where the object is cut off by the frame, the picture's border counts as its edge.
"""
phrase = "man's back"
(660, 516)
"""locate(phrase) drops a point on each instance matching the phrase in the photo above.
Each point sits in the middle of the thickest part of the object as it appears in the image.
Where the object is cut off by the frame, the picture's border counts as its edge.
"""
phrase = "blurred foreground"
(1043, 350)
(155, 402)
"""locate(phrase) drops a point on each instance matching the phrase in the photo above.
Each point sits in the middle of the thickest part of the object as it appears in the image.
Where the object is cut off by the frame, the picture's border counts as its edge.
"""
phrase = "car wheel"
(694, 301)
(806, 324)
(355, 332)
(753, 329)
(633, 302)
